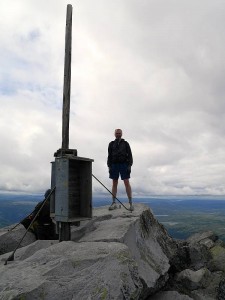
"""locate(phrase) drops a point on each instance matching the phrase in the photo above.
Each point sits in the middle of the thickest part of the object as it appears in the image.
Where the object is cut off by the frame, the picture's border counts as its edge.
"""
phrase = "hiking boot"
(131, 206)
(113, 206)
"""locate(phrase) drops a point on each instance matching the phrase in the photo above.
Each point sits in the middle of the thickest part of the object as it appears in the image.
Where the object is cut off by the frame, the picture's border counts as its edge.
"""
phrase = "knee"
(127, 183)
(115, 183)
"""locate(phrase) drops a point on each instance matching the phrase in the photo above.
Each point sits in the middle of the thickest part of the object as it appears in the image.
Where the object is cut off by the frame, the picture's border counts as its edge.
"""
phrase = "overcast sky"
(154, 68)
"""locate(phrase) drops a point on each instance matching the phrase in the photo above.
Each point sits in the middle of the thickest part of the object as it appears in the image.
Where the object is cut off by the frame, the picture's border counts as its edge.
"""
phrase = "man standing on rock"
(119, 162)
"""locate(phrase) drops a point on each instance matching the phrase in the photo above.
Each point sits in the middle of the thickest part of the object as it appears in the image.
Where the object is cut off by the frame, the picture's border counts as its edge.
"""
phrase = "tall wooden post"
(64, 228)
(71, 175)
(67, 79)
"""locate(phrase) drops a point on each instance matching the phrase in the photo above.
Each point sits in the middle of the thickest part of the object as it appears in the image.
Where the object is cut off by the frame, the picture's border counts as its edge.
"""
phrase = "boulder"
(170, 295)
(9, 239)
(70, 270)
(199, 246)
(218, 258)
(116, 255)
(197, 237)
(199, 255)
(193, 280)
(210, 292)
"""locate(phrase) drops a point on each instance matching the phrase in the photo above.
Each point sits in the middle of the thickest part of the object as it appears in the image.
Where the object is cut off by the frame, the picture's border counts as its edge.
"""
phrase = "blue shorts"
(119, 169)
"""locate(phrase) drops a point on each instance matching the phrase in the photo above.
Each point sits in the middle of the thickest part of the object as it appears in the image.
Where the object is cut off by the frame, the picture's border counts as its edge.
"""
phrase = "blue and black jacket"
(119, 151)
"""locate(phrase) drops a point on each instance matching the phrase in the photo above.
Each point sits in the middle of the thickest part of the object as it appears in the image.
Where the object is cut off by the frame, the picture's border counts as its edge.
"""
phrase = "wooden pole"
(64, 232)
(64, 228)
(67, 79)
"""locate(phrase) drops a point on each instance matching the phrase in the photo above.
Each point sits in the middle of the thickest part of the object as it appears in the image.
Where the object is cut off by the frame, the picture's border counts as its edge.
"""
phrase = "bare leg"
(129, 193)
(114, 192)
(114, 188)
(128, 189)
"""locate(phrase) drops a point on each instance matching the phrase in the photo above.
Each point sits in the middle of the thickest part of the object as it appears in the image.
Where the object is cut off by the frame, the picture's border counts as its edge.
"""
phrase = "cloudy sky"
(154, 68)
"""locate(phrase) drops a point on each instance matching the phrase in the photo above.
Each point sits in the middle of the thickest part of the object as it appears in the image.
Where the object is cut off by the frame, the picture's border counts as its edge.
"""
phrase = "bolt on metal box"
(72, 177)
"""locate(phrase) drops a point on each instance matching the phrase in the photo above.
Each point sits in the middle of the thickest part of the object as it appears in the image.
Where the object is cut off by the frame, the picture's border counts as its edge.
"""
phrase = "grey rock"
(117, 255)
(193, 280)
(199, 255)
(218, 258)
(211, 291)
(220, 243)
(208, 243)
(197, 237)
(141, 232)
(70, 270)
(9, 239)
(170, 295)
(27, 251)
(182, 260)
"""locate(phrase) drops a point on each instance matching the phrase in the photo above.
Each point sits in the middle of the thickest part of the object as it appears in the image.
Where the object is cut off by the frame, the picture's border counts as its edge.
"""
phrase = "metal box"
(72, 178)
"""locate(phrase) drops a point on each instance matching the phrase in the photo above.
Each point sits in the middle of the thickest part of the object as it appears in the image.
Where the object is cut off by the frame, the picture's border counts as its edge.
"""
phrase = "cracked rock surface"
(115, 255)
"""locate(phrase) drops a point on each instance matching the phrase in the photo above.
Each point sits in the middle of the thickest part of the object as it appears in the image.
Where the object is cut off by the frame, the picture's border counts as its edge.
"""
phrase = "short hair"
(118, 129)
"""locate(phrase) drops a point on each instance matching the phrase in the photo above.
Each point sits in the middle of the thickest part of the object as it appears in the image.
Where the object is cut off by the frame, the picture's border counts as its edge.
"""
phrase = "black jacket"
(43, 216)
(119, 152)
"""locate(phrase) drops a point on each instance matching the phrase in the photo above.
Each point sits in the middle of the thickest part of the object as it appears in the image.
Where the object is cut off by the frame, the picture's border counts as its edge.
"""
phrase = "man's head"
(118, 133)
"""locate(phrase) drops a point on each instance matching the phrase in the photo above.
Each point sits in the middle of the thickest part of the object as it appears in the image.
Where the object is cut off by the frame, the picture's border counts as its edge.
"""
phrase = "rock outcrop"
(9, 238)
(115, 255)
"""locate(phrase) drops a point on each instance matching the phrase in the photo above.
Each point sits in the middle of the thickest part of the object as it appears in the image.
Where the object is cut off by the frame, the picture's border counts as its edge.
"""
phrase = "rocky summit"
(116, 255)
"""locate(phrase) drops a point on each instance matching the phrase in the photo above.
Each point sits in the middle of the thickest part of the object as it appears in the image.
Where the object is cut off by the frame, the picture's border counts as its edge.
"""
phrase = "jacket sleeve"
(129, 155)
(109, 159)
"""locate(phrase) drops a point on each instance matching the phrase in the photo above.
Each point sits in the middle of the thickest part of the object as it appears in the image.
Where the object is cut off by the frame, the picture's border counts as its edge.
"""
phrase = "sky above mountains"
(153, 68)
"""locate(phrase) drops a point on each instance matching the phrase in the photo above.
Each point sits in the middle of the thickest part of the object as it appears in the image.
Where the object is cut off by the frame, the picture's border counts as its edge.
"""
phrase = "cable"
(111, 193)
(13, 227)
(11, 257)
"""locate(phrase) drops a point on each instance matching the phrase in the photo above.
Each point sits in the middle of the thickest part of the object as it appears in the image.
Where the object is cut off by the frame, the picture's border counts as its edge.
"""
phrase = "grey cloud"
(153, 68)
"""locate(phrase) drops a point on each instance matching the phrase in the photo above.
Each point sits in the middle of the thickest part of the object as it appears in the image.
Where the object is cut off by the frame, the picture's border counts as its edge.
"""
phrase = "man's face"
(118, 133)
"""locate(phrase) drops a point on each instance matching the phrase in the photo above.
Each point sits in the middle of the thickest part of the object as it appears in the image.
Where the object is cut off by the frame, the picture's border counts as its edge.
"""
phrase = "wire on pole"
(11, 257)
(110, 192)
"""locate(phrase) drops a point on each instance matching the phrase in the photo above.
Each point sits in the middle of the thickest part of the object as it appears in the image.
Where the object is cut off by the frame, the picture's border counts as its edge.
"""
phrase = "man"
(119, 162)
(43, 227)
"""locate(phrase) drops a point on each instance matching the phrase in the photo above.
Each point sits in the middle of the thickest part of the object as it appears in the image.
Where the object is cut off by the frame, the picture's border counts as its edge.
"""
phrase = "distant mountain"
(181, 215)
(184, 216)
(13, 208)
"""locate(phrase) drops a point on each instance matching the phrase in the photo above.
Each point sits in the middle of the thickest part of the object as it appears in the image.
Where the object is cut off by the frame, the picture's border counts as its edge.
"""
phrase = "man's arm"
(109, 159)
(129, 155)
